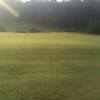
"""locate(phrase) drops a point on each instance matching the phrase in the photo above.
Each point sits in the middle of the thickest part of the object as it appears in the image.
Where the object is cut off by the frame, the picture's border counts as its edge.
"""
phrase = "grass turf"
(49, 66)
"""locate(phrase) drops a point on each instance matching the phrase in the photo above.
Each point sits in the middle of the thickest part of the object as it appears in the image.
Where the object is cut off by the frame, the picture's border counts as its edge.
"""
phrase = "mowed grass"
(49, 66)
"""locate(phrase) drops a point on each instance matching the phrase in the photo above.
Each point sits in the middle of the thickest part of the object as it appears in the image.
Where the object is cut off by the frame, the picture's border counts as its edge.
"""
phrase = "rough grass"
(49, 66)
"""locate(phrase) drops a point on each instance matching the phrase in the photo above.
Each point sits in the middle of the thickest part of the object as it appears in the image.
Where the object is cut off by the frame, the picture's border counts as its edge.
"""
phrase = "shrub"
(21, 32)
(34, 30)
(2, 29)
(94, 27)
(69, 30)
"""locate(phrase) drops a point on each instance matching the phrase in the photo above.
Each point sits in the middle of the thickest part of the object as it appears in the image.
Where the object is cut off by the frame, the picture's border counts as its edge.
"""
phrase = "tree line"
(76, 15)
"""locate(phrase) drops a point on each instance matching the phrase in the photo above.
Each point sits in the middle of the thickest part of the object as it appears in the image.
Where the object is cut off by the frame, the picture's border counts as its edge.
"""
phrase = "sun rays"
(9, 8)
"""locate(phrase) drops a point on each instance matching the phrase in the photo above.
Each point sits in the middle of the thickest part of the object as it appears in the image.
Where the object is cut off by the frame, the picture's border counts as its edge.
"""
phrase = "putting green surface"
(49, 66)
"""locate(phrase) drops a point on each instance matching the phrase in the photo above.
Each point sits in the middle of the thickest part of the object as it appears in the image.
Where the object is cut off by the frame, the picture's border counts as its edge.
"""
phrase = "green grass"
(49, 66)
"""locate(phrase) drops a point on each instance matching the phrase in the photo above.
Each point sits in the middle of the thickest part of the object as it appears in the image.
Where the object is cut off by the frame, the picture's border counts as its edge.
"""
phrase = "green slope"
(49, 66)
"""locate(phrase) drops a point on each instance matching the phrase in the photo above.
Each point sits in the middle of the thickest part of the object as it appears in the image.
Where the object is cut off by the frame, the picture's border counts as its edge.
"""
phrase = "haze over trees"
(76, 14)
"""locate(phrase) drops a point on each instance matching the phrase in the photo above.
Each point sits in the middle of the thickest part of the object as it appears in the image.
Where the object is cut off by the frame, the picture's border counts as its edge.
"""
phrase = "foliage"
(94, 27)
(34, 30)
(21, 32)
(70, 30)
(2, 29)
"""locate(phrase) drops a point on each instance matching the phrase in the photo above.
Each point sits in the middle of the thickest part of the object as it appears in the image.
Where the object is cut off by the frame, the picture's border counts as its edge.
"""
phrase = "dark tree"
(2, 29)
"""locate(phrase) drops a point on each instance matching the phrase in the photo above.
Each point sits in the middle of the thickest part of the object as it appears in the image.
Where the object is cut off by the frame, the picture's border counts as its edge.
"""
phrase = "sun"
(24, 1)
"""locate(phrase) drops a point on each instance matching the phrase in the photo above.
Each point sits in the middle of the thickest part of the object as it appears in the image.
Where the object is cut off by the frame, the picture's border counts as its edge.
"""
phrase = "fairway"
(49, 66)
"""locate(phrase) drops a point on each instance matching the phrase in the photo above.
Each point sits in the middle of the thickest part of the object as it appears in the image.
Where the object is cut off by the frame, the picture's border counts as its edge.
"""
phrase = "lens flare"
(8, 8)
(24, 1)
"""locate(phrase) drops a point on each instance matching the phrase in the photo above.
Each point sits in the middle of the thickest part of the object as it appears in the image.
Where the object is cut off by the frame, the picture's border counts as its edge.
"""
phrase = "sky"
(14, 12)
(25, 1)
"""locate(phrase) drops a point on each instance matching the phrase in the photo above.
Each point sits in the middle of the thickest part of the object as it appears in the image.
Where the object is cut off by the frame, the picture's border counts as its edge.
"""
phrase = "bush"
(21, 32)
(34, 30)
(70, 30)
(2, 29)
(94, 27)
